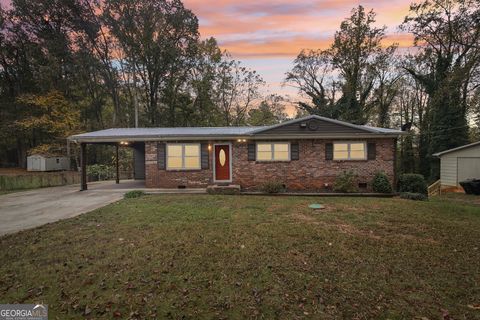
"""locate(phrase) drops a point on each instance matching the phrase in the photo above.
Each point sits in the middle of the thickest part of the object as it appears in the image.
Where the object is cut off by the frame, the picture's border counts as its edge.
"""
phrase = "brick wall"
(311, 172)
(155, 178)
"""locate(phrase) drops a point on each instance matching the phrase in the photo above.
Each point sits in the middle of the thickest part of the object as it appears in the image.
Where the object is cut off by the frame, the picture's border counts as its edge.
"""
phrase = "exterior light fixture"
(239, 140)
(209, 147)
(124, 143)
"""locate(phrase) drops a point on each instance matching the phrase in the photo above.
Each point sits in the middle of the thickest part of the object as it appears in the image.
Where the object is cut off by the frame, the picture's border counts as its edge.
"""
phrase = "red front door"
(222, 162)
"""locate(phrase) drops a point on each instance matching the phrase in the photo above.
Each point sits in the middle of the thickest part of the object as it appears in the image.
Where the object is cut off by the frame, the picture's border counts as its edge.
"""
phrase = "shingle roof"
(166, 132)
(139, 134)
(438, 154)
(384, 130)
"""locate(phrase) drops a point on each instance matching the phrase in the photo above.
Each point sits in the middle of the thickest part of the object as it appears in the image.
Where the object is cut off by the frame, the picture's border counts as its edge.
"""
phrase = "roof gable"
(314, 124)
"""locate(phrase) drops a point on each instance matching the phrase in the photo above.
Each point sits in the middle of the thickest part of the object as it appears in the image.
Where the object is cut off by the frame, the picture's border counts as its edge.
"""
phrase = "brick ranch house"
(304, 154)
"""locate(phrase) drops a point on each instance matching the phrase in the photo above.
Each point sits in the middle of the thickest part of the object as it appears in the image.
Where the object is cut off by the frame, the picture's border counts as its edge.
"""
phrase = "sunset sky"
(268, 34)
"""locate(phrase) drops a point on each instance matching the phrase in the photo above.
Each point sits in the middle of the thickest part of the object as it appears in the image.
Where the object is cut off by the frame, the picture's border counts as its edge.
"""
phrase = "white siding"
(40, 163)
(449, 164)
(35, 163)
(468, 168)
(448, 171)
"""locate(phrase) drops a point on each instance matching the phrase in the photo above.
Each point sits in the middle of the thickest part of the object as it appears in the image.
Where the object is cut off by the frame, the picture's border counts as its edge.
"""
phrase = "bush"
(381, 184)
(272, 187)
(346, 182)
(413, 196)
(413, 183)
(100, 172)
(134, 194)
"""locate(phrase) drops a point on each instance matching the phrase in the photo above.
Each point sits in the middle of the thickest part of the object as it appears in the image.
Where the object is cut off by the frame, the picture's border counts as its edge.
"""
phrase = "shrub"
(100, 172)
(134, 194)
(413, 183)
(272, 187)
(346, 182)
(413, 196)
(381, 184)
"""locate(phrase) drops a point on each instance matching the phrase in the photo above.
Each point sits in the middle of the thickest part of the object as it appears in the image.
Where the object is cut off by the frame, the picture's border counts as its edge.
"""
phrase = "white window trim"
(272, 151)
(183, 156)
(348, 150)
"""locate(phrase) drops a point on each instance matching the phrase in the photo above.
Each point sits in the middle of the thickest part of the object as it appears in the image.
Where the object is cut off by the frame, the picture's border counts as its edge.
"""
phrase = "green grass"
(236, 257)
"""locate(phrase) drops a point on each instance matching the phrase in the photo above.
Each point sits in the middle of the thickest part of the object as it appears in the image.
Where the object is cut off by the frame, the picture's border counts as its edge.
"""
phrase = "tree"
(447, 35)
(270, 111)
(44, 119)
(354, 46)
(99, 48)
(203, 78)
(237, 88)
(156, 37)
(311, 75)
(349, 69)
(387, 87)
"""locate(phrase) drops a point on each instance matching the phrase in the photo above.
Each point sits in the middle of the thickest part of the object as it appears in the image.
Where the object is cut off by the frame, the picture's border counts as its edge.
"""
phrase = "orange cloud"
(253, 28)
(291, 47)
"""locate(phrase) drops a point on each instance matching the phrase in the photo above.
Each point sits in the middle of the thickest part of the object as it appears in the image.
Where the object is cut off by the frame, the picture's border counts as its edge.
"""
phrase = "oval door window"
(222, 157)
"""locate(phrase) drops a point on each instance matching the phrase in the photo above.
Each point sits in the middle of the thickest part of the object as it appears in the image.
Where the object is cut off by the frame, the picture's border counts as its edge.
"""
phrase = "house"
(304, 154)
(459, 164)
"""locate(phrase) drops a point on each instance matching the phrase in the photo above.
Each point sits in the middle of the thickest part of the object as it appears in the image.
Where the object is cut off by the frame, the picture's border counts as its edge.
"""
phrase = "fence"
(38, 180)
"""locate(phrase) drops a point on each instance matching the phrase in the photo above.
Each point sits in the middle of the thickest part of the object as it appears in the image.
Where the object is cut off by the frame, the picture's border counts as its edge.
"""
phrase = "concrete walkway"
(28, 209)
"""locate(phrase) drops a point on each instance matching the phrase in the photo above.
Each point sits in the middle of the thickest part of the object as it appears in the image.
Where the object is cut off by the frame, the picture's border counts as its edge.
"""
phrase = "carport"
(111, 137)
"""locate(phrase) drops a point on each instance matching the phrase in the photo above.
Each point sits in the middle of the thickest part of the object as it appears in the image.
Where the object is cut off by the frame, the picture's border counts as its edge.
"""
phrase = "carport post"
(117, 180)
(83, 166)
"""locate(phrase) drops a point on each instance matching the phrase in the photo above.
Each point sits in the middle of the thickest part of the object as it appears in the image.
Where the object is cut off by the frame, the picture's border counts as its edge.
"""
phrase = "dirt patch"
(349, 229)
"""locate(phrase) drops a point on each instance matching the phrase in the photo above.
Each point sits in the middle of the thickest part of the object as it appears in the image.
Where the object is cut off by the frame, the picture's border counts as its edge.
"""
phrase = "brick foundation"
(311, 172)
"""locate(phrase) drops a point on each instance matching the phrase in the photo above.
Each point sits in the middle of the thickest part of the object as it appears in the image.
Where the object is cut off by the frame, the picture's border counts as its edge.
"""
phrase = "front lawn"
(235, 257)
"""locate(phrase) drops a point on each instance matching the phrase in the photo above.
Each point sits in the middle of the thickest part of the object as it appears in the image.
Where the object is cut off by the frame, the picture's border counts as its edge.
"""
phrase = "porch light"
(124, 143)
(209, 147)
(239, 140)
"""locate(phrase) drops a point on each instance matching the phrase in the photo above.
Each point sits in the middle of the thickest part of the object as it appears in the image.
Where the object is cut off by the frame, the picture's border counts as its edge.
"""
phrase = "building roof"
(439, 154)
(196, 133)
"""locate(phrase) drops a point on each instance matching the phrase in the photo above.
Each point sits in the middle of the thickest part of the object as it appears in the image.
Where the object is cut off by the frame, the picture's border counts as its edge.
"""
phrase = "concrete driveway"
(28, 209)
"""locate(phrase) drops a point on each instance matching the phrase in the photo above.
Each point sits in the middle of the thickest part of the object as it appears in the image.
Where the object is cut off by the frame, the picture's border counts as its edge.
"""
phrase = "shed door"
(468, 168)
(36, 163)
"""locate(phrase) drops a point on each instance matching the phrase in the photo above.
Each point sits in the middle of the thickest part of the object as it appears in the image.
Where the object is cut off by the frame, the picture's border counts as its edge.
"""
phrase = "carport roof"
(149, 133)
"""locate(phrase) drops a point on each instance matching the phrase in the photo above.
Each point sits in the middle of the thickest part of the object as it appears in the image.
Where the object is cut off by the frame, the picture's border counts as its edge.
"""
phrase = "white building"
(38, 162)
(459, 164)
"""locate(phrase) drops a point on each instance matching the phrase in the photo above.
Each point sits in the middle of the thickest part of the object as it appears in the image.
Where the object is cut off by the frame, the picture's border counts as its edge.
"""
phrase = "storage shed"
(38, 162)
(459, 164)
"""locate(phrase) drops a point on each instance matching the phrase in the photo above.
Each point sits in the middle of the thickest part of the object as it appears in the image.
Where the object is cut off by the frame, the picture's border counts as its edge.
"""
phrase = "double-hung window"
(183, 156)
(273, 151)
(349, 151)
